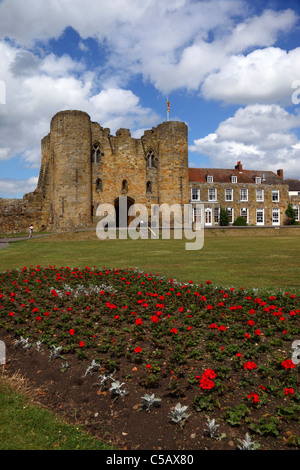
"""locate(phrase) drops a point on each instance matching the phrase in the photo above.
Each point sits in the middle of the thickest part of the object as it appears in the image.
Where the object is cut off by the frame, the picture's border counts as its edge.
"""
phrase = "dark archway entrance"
(122, 205)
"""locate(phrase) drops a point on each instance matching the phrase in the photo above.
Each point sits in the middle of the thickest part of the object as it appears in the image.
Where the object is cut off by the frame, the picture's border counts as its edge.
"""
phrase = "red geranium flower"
(154, 318)
(288, 364)
(254, 396)
(206, 383)
(250, 365)
(210, 373)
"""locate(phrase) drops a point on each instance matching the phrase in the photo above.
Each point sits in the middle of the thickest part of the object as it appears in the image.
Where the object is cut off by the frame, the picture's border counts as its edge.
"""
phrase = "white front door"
(208, 216)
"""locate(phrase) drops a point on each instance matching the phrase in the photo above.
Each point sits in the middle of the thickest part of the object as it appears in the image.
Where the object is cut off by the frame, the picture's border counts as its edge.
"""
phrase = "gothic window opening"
(96, 153)
(150, 159)
(99, 185)
(149, 187)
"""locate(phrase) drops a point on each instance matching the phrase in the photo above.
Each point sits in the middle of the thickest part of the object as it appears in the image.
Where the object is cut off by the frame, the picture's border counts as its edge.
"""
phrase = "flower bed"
(224, 353)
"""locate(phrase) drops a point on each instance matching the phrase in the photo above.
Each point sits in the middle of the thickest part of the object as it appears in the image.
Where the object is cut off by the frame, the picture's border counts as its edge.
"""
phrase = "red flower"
(206, 383)
(81, 344)
(154, 318)
(137, 349)
(138, 321)
(213, 325)
(254, 396)
(210, 373)
(222, 328)
(72, 331)
(288, 364)
(250, 365)
(289, 391)
(173, 330)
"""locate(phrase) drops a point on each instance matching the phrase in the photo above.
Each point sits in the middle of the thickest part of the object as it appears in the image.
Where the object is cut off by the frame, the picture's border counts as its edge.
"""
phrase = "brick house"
(294, 196)
(261, 197)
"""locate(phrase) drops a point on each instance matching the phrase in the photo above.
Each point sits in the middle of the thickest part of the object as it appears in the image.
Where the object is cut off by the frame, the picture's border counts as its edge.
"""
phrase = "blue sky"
(228, 68)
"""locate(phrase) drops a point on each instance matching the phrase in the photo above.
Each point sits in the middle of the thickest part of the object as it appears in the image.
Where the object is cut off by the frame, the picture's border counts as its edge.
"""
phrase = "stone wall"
(16, 215)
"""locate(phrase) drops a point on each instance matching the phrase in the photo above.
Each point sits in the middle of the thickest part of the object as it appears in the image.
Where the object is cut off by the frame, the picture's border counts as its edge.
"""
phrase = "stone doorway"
(122, 205)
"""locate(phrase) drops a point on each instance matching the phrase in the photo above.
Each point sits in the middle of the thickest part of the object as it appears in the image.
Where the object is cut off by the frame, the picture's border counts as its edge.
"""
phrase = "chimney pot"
(280, 173)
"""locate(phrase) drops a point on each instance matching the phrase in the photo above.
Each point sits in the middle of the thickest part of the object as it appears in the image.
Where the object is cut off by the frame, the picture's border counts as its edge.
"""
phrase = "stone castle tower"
(83, 165)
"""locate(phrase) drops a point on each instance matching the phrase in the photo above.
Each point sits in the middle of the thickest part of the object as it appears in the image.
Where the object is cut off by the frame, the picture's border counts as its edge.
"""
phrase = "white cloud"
(173, 44)
(262, 136)
(11, 188)
(265, 75)
(37, 88)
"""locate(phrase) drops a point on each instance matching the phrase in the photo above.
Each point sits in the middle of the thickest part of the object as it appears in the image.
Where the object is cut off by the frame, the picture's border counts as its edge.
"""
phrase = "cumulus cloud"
(11, 188)
(174, 44)
(263, 137)
(38, 87)
(264, 75)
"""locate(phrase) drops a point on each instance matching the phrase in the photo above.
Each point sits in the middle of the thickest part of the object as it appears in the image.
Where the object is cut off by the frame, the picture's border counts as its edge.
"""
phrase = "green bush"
(240, 221)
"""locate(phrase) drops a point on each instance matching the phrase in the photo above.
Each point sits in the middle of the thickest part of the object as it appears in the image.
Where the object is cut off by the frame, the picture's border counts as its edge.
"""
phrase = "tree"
(290, 216)
(224, 217)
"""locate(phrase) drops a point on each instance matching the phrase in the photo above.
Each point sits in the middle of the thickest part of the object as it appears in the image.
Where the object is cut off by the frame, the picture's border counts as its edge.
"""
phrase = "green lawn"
(267, 260)
(28, 427)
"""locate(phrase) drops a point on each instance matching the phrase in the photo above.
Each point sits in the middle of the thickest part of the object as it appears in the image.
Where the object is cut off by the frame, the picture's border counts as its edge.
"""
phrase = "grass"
(25, 426)
(228, 258)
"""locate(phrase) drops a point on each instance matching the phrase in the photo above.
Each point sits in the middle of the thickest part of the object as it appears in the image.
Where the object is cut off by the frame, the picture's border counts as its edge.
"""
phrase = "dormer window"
(210, 179)
(234, 179)
(257, 179)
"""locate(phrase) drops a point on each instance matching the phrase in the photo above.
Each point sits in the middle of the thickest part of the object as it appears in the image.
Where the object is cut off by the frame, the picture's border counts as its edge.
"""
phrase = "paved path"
(4, 242)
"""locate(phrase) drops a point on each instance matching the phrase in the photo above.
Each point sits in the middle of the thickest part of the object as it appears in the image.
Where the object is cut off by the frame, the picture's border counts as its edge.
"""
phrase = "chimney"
(280, 173)
(238, 166)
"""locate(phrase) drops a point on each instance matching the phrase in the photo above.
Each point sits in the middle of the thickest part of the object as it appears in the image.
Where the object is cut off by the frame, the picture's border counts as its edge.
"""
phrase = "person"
(30, 231)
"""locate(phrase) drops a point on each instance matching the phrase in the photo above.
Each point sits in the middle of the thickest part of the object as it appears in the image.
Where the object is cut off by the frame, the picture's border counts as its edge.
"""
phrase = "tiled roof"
(294, 185)
(224, 176)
